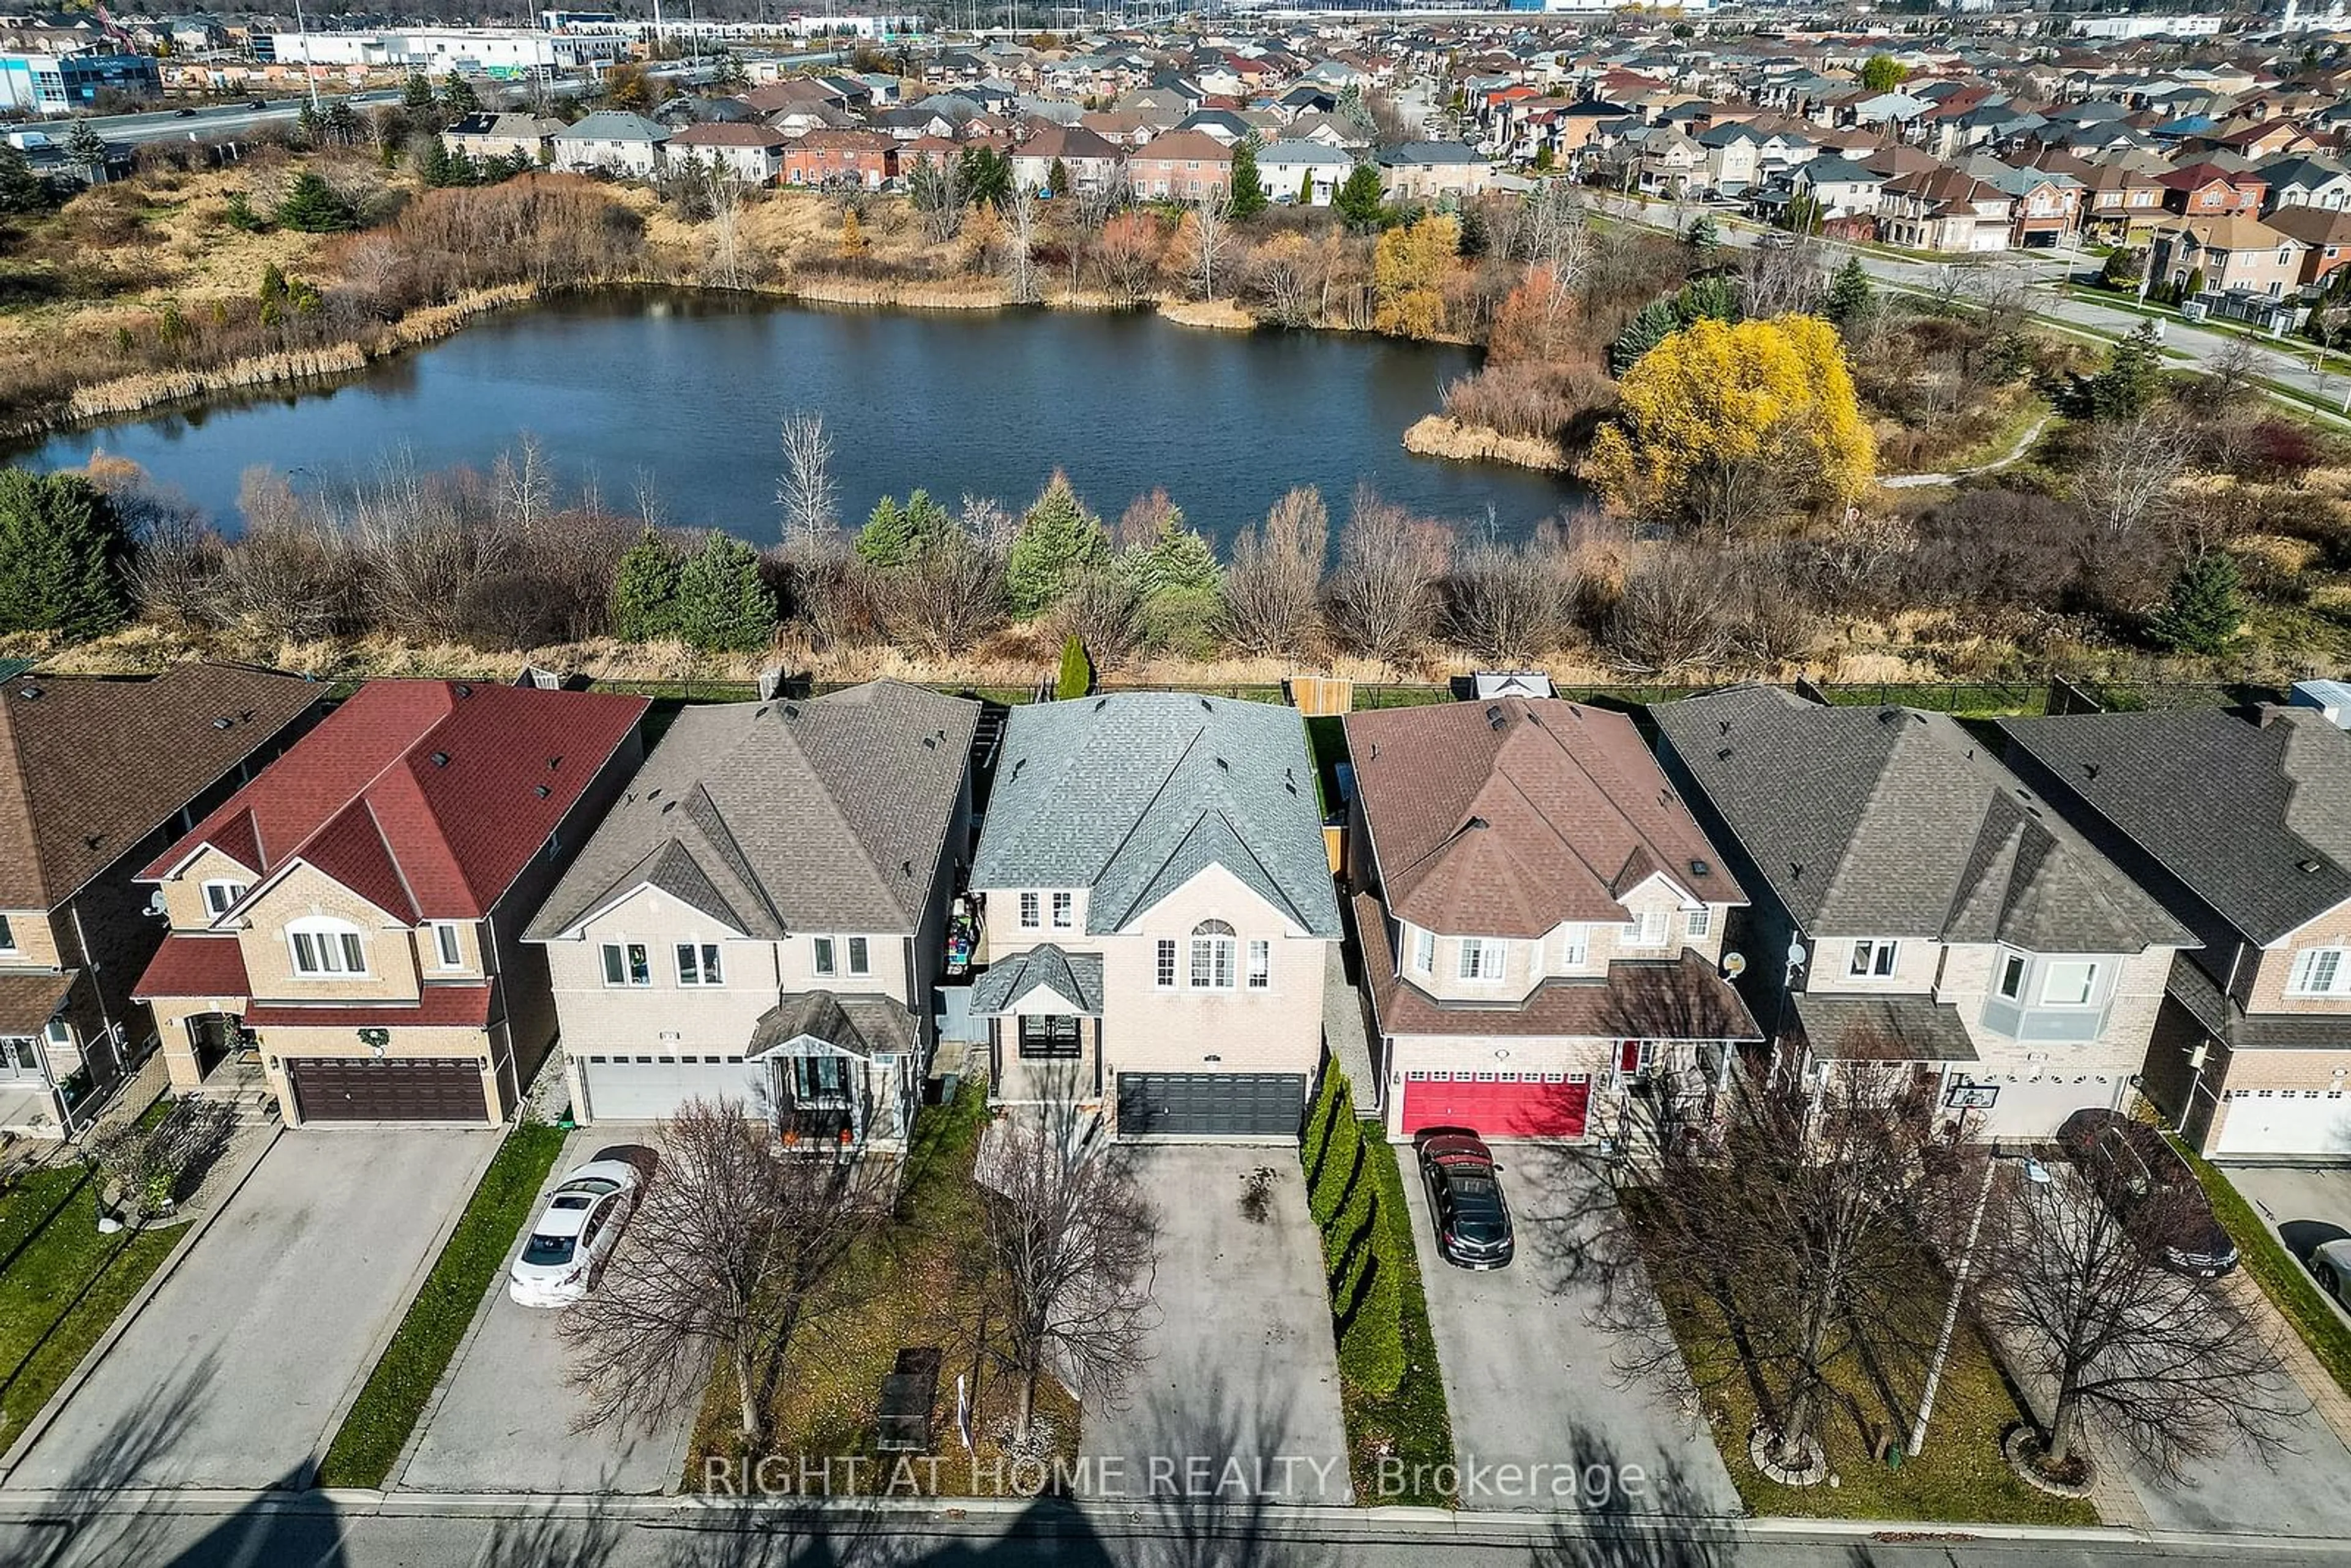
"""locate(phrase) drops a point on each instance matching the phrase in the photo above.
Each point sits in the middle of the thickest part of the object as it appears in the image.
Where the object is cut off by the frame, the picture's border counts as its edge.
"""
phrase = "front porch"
(1043, 1009)
(840, 1074)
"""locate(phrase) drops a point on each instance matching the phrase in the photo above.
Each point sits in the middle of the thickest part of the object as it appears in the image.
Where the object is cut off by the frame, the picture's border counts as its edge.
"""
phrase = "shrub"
(645, 591)
(724, 603)
(2206, 607)
(312, 207)
(1077, 676)
(1531, 397)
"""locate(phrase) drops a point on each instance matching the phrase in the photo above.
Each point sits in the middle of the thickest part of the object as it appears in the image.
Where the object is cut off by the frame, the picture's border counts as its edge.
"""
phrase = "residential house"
(2121, 200)
(1915, 905)
(96, 776)
(356, 912)
(1091, 161)
(1307, 173)
(836, 159)
(1838, 188)
(2208, 190)
(2229, 253)
(1943, 209)
(611, 142)
(1542, 919)
(2236, 821)
(752, 153)
(1434, 171)
(2325, 237)
(1179, 165)
(2301, 180)
(763, 916)
(1159, 917)
(485, 137)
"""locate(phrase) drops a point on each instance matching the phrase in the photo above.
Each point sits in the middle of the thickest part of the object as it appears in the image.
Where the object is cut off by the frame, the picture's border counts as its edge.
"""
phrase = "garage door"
(1499, 1104)
(2026, 1108)
(395, 1089)
(1211, 1104)
(2286, 1122)
(649, 1088)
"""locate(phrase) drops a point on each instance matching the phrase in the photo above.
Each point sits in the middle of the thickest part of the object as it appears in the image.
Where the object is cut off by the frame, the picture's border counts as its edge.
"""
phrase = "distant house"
(1091, 161)
(1303, 171)
(2210, 190)
(96, 777)
(834, 158)
(1180, 165)
(2304, 180)
(752, 154)
(613, 141)
(488, 136)
(1434, 171)
(1943, 209)
(2229, 253)
(2325, 234)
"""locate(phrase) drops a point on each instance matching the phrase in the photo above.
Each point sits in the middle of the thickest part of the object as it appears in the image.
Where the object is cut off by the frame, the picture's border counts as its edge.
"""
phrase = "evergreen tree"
(724, 604)
(342, 123)
(21, 190)
(1360, 200)
(61, 552)
(2128, 383)
(1475, 241)
(1057, 179)
(2205, 609)
(1702, 235)
(1650, 326)
(86, 150)
(645, 591)
(1306, 192)
(432, 162)
(1249, 197)
(1058, 541)
(1178, 588)
(1708, 299)
(885, 540)
(309, 129)
(458, 97)
(1850, 294)
(1077, 675)
(312, 207)
(418, 93)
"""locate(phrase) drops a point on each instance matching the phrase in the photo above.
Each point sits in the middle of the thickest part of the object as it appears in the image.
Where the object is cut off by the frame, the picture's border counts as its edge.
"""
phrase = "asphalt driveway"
(1241, 1362)
(1529, 1382)
(237, 1370)
(2306, 1206)
(502, 1421)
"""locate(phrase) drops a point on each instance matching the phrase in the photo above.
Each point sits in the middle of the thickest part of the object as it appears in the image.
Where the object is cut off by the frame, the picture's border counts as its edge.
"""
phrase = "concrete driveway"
(238, 1368)
(1241, 1362)
(2305, 1205)
(1530, 1381)
(502, 1420)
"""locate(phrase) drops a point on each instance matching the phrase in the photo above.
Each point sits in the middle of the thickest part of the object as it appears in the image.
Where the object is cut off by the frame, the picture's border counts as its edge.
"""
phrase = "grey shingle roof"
(2232, 808)
(1883, 1029)
(1075, 977)
(1892, 822)
(1129, 796)
(776, 817)
(861, 1026)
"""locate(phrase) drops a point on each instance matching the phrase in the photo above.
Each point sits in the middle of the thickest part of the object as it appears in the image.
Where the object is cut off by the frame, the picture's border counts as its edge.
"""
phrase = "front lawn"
(918, 1281)
(2287, 1284)
(376, 1428)
(62, 1285)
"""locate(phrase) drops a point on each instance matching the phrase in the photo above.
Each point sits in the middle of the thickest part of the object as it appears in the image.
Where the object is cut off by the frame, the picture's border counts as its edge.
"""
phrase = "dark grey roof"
(1075, 977)
(860, 1026)
(1130, 796)
(2234, 808)
(776, 817)
(1883, 1029)
(1892, 822)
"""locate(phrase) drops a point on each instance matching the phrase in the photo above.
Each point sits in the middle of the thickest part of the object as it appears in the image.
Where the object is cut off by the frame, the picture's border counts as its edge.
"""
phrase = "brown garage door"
(396, 1089)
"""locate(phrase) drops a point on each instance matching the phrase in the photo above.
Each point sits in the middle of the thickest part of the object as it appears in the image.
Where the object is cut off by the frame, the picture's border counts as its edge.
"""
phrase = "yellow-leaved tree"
(1722, 426)
(1408, 272)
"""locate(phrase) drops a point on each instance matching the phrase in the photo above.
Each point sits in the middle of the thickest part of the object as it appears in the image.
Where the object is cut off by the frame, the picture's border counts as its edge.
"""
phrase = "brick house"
(752, 154)
(2209, 190)
(2232, 252)
(834, 158)
(2325, 237)
(1180, 166)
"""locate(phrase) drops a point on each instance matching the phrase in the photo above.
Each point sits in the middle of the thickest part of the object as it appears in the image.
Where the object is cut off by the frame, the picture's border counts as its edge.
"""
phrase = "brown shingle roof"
(89, 768)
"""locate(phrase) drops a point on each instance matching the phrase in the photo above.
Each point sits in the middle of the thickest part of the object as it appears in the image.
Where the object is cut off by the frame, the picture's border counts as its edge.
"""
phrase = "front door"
(20, 1060)
(212, 1036)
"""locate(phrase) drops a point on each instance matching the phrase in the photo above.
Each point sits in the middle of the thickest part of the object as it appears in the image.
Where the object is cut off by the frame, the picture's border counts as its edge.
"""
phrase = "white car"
(573, 1234)
(2331, 1265)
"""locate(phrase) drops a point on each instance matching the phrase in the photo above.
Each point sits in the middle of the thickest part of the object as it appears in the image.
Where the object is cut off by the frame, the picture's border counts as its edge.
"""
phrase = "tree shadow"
(1230, 1474)
(2304, 1237)
(74, 1528)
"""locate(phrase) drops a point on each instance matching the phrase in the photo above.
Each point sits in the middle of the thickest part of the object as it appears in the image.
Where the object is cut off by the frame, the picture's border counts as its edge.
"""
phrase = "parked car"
(574, 1234)
(2330, 1265)
(2148, 1186)
(1465, 1200)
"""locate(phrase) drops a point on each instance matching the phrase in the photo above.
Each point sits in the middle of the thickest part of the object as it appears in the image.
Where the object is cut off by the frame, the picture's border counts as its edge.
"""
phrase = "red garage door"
(1499, 1104)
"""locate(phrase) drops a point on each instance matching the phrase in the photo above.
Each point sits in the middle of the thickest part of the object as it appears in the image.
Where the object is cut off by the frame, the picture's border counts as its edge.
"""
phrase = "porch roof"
(436, 1007)
(1075, 977)
(193, 966)
(28, 1002)
(862, 1027)
(1883, 1029)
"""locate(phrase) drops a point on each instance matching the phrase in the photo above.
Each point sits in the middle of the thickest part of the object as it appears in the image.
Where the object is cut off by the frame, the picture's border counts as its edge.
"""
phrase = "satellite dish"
(1734, 965)
(156, 907)
(1796, 954)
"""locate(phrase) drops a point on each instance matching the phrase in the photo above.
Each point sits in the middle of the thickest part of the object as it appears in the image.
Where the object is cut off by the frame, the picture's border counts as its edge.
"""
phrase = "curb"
(38, 1426)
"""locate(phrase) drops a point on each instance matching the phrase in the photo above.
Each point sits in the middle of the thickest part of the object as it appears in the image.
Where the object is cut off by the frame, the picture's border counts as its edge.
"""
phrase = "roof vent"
(930, 743)
(1476, 822)
(1101, 703)
(223, 722)
(667, 807)
(542, 791)
(2307, 867)
(1495, 718)
(554, 762)
(1225, 765)
(906, 868)
(30, 694)
(1207, 705)
(440, 759)
(792, 710)
(2090, 769)
(463, 690)
(93, 840)
(1699, 868)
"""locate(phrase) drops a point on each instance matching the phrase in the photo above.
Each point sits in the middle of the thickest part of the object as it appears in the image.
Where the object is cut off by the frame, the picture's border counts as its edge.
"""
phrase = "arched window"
(325, 949)
(1212, 956)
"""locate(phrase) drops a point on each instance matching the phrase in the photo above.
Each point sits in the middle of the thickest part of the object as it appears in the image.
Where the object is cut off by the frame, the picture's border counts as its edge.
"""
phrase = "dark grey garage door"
(396, 1089)
(1211, 1104)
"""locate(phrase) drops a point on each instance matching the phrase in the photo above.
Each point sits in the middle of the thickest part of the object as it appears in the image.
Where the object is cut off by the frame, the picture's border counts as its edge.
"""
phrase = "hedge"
(1359, 1242)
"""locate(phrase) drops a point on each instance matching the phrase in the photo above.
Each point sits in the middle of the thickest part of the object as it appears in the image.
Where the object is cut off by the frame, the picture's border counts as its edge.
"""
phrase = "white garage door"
(649, 1087)
(2286, 1122)
(2029, 1108)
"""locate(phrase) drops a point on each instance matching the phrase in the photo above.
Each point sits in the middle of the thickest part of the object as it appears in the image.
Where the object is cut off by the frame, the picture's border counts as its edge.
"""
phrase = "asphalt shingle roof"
(1075, 977)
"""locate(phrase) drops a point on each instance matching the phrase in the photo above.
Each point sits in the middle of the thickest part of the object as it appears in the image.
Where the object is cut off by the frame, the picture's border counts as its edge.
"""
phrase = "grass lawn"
(2288, 1285)
(62, 1285)
(1411, 1423)
(916, 1281)
(372, 1435)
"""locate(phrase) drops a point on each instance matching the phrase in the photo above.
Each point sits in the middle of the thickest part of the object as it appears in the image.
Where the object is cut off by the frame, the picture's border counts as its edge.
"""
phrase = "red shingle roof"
(425, 797)
(195, 966)
(439, 1007)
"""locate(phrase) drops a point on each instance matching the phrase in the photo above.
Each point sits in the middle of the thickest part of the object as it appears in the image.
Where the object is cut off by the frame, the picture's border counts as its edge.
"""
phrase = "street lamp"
(302, 31)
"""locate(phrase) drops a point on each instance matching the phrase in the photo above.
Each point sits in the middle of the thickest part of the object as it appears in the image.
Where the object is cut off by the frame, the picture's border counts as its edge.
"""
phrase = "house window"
(1260, 966)
(1049, 1037)
(447, 948)
(1482, 959)
(1212, 956)
(820, 1080)
(627, 964)
(1874, 957)
(1424, 951)
(1576, 948)
(7, 936)
(325, 949)
(2068, 982)
(219, 897)
(1646, 929)
(2319, 972)
(1697, 923)
(859, 963)
(1032, 913)
(824, 964)
(1166, 970)
(2011, 975)
(1065, 911)
(697, 964)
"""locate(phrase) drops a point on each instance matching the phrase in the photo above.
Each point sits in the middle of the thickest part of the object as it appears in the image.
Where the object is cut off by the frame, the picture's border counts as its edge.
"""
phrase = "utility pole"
(309, 77)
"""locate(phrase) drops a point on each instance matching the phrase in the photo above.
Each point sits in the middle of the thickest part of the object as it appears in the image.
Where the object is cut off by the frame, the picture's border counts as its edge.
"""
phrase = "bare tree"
(1275, 577)
(1668, 616)
(1784, 280)
(936, 187)
(950, 595)
(1020, 244)
(807, 492)
(290, 574)
(730, 1244)
(2166, 1362)
(1509, 604)
(1073, 1241)
(1383, 595)
(722, 193)
(1211, 234)
(525, 481)
(1105, 612)
(2131, 468)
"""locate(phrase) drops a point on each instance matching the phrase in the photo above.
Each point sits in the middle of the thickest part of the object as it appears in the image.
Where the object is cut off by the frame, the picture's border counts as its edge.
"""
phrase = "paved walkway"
(1342, 1032)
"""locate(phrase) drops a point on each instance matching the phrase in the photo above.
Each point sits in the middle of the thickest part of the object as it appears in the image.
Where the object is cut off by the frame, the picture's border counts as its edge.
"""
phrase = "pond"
(687, 392)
